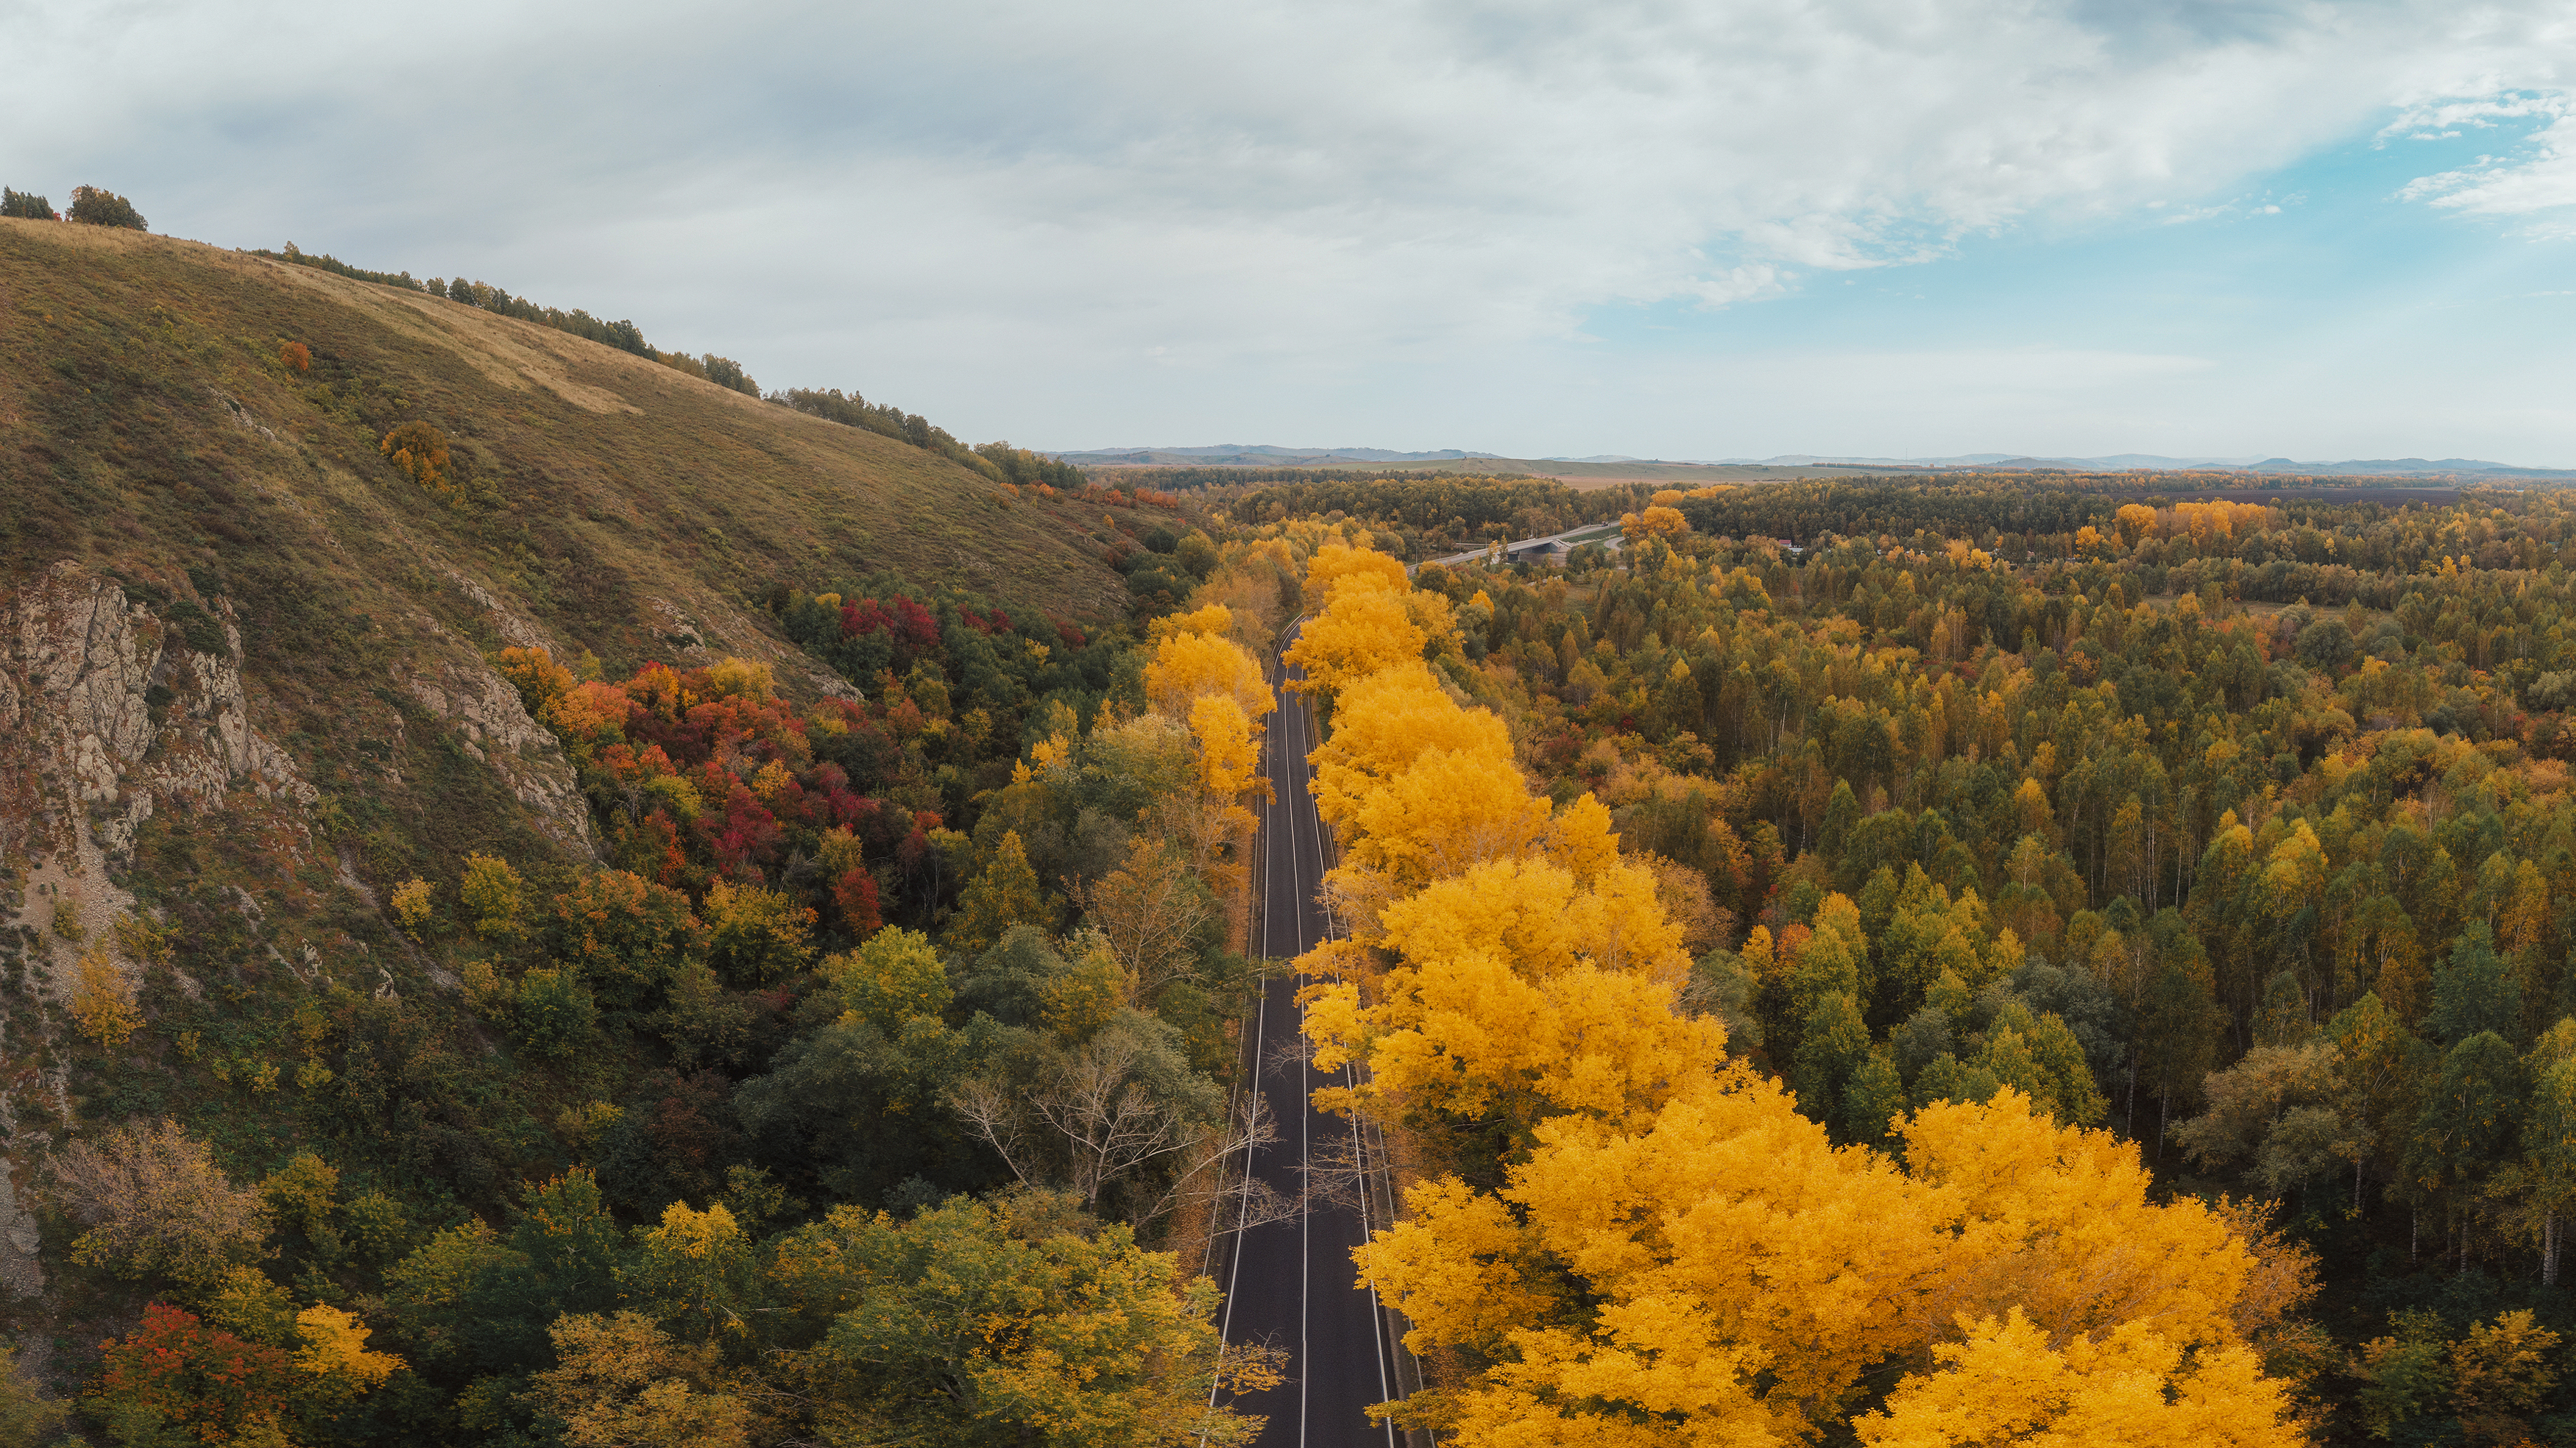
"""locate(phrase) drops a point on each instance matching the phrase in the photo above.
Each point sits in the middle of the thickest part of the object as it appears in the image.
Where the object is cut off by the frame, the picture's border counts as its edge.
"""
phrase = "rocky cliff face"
(115, 709)
(494, 729)
(108, 713)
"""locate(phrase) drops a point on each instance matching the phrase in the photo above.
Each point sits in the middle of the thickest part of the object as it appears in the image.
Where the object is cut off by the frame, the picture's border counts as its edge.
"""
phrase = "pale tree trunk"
(2549, 1250)
(2132, 1125)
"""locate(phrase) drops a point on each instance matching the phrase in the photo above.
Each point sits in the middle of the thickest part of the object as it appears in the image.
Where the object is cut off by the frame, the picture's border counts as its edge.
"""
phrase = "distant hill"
(1619, 467)
(2372, 467)
(1262, 464)
(1238, 455)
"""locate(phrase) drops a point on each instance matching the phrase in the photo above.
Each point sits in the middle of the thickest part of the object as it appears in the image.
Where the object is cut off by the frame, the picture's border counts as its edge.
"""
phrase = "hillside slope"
(245, 677)
(160, 467)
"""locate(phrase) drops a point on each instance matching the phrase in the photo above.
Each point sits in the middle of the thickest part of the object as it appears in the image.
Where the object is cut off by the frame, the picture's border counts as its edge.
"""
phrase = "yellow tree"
(2137, 522)
(1336, 564)
(103, 999)
(1676, 1255)
(333, 1348)
(1656, 522)
(1187, 666)
(622, 1382)
(1444, 814)
(1363, 631)
(1387, 720)
(1229, 758)
(1214, 618)
(2007, 1384)
(1726, 1274)
(1212, 821)
(1519, 991)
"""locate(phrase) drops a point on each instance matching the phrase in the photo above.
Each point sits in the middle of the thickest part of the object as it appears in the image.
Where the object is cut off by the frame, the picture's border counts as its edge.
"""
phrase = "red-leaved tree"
(201, 1380)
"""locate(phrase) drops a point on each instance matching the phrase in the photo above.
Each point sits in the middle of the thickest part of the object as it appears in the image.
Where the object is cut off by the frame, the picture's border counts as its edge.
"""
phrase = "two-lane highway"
(1291, 1283)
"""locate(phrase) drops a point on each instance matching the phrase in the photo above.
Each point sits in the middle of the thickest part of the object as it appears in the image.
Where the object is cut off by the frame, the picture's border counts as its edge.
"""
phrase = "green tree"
(1723, 984)
(2283, 1019)
(726, 372)
(554, 1013)
(628, 937)
(1003, 894)
(494, 897)
(1024, 1321)
(696, 1270)
(25, 206)
(1111, 1113)
(2039, 1057)
(857, 1111)
(2543, 1184)
(894, 977)
(1831, 1050)
(567, 1248)
(2467, 1123)
(2272, 1112)
(1842, 812)
(27, 1416)
(755, 936)
(443, 1310)
(2403, 1375)
(1872, 1099)
(2378, 1067)
(2474, 991)
(2178, 1038)
(93, 207)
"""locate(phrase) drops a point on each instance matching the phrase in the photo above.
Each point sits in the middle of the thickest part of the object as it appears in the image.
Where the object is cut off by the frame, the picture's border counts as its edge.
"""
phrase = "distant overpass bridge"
(1551, 548)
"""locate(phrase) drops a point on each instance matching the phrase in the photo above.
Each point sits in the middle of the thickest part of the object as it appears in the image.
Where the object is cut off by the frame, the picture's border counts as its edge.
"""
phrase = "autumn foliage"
(1674, 1243)
(208, 1384)
(419, 452)
(711, 775)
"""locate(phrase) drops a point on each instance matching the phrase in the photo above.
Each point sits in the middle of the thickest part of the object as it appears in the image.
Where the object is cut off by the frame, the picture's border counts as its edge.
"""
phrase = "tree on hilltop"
(93, 207)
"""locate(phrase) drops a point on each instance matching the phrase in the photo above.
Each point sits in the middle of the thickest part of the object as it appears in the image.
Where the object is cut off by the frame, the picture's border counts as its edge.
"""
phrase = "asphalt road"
(1292, 1283)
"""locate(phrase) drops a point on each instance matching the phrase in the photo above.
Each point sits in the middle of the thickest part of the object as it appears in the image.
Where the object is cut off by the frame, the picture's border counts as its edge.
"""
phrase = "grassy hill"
(149, 422)
(247, 665)
(151, 436)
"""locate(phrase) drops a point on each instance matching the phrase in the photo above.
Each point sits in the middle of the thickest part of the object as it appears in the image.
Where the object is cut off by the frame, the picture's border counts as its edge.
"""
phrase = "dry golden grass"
(601, 502)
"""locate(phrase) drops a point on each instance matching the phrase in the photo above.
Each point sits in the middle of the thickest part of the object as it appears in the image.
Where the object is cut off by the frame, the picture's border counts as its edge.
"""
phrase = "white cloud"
(2540, 178)
(1030, 210)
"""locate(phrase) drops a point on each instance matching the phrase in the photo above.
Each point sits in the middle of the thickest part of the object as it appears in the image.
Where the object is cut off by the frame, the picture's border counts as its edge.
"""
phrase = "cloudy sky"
(1726, 228)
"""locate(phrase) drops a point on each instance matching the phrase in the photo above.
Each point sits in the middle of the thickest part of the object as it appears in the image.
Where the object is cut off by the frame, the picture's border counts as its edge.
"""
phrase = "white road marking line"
(1359, 1150)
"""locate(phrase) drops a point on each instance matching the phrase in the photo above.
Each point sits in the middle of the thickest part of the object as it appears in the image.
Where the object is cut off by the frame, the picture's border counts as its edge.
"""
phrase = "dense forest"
(1420, 516)
(2233, 834)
